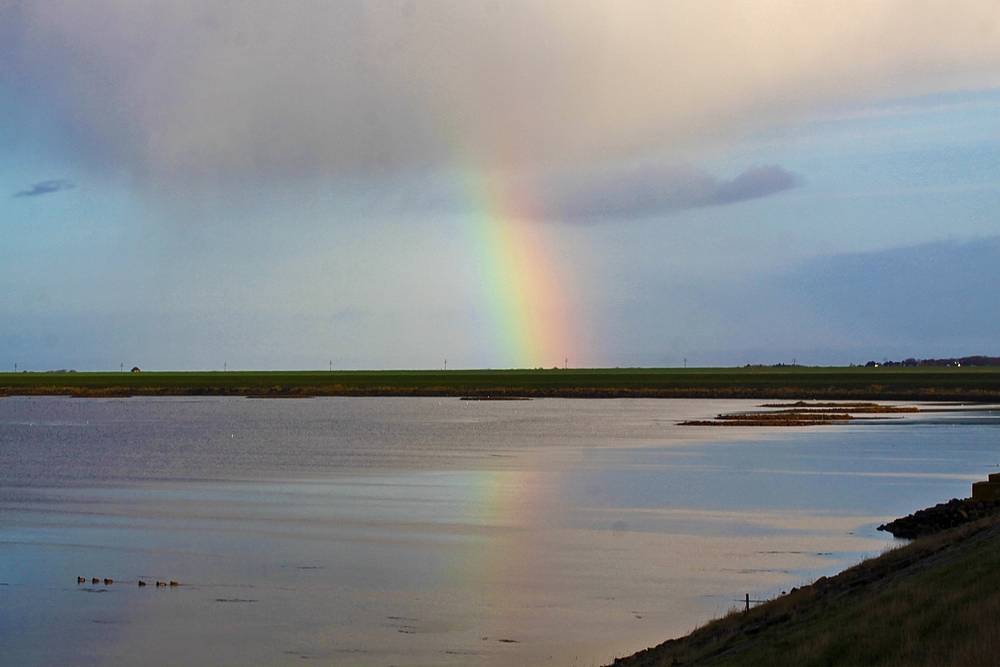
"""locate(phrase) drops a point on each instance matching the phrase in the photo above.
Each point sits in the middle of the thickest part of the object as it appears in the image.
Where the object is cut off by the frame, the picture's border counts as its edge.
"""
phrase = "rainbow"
(532, 322)
(510, 506)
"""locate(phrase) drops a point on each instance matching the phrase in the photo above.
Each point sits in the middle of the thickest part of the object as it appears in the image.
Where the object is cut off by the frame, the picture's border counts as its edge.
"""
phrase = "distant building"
(136, 369)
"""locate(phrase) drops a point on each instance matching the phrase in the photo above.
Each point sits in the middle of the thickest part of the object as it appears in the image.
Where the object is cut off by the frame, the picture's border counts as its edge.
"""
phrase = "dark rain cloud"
(930, 300)
(657, 190)
(45, 188)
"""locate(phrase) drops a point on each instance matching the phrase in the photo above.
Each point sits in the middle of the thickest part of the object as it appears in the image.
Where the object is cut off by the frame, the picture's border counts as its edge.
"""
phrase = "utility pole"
(15, 366)
(685, 362)
(566, 364)
(446, 364)
(331, 365)
(223, 367)
(121, 367)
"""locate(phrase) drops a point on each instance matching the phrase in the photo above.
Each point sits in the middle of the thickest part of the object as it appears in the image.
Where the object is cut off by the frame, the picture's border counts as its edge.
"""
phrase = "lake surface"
(426, 531)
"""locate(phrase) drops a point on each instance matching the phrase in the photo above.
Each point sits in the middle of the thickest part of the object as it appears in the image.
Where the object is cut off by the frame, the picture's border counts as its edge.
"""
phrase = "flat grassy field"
(858, 383)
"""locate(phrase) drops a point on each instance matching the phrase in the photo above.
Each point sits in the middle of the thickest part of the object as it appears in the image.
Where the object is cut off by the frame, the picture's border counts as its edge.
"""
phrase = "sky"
(496, 184)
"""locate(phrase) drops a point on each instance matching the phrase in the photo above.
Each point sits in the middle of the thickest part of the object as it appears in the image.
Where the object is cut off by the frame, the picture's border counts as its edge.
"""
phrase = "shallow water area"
(430, 531)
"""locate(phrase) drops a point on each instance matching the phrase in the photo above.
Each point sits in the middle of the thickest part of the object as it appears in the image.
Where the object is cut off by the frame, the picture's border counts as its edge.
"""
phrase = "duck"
(160, 583)
(81, 580)
(108, 582)
(142, 583)
(174, 583)
(95, 580)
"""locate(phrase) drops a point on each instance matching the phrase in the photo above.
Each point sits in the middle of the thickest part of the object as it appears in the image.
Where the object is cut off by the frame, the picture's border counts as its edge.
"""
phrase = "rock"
(955, 512)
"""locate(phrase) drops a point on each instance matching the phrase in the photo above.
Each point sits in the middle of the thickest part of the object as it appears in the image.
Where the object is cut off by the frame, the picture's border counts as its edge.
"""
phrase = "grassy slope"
(980, 383)
(934, 601)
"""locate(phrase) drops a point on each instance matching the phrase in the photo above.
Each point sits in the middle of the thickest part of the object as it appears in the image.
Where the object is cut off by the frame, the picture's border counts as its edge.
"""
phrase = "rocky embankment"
(942, 516)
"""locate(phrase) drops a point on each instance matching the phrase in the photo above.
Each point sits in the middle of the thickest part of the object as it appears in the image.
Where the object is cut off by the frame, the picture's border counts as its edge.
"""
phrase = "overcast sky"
(504, 183)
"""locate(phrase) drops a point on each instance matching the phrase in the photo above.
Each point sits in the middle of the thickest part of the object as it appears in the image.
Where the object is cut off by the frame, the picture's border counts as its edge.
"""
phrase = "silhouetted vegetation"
(961, 361)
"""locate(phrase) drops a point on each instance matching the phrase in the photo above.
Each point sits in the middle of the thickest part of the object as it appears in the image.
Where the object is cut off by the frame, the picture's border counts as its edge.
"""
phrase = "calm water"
(412, 531)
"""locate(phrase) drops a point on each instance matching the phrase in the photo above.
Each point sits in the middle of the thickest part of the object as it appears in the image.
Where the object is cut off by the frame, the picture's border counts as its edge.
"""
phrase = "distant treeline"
(963, 361)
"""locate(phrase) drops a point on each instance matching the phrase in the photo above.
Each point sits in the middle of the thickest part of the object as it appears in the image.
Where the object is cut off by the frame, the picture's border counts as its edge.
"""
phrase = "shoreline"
(929, 601)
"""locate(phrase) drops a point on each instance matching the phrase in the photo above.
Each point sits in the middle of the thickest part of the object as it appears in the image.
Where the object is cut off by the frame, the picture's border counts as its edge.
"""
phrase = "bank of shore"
(932, 601)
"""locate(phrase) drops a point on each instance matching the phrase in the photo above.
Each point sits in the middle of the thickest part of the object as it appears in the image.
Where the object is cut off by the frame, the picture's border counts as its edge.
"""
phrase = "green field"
(895, 383)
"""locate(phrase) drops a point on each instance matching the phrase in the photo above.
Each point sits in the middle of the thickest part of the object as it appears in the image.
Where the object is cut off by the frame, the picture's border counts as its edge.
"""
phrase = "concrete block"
(985, 490)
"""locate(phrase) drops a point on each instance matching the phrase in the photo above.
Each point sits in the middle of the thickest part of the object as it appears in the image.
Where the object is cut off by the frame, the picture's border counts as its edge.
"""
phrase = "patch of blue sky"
(879, 176)
(965, 118)
(57, 244)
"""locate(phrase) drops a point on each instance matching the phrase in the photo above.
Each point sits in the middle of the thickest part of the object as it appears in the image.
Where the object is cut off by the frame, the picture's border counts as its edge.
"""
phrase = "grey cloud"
(753, 183)
(658, 190)
(928, 293)
(45, 188)
(210, 92)
(930, 300)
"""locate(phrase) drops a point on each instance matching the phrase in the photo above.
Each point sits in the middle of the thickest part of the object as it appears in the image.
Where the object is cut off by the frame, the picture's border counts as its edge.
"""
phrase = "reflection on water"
(429, 531)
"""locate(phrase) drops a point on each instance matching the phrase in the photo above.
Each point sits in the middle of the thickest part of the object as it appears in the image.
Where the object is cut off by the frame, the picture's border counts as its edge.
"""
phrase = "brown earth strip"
(762, 422)
(830, 413)
(872, 408)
